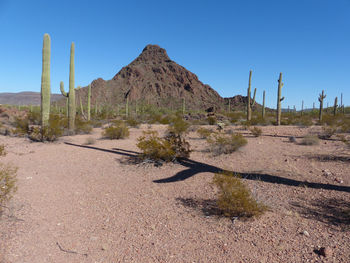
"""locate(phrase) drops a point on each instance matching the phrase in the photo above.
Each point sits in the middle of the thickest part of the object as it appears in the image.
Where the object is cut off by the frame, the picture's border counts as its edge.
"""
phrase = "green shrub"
(54, 130)
(132, 122)
(225, 144)
(204, 132)
(310, 140)
(116, 131)
(166, 149)
(234, 197)
(256, 131)
(178, 126)
(82, 127)
(21, 126)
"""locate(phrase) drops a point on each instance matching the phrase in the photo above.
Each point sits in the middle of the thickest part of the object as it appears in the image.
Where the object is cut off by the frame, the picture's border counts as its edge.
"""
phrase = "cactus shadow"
(194, 168)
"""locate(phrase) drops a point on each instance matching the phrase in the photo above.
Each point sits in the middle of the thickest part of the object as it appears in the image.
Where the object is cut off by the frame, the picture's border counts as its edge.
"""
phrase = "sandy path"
(85, 202)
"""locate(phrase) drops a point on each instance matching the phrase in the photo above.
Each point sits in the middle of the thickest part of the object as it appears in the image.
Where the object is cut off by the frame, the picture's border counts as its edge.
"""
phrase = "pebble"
(305, 233)
(104, 247)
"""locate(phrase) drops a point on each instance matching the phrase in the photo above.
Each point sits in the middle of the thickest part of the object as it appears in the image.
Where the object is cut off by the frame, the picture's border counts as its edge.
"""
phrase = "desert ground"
(92, 203)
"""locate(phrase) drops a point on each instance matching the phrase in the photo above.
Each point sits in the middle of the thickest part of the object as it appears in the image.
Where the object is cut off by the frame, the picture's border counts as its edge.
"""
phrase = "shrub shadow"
(331, 211)
(207, 206)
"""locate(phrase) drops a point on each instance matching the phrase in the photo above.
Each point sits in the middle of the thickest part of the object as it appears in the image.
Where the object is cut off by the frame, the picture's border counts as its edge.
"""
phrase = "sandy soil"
(79, 203)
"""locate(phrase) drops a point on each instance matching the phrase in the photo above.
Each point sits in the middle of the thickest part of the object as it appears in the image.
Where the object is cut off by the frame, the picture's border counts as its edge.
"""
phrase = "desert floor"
(79, 203)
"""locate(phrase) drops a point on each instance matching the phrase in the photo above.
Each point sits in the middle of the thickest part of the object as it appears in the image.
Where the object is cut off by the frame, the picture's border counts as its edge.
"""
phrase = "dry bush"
(116, 131)
(327, 132)
(178, 126)
(21, 126)
(55, 128)
(166, 149)
(225, 144)
(7, 181)
(131, 122)
(310, 140)
(82, 127)
(256, 131)
(204, 132)
(235, 198)
(90, 141)
(2, 150)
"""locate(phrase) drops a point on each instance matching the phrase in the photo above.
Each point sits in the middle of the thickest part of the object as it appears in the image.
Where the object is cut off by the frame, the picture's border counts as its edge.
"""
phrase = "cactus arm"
(281, 99)
(254, 97)
(62, 89)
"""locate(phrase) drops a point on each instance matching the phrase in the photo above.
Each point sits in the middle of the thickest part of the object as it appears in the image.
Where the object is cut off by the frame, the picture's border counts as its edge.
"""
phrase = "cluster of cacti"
(279, 99)
(320, 99)
(45, 83)
(250, 103)
(71, 94)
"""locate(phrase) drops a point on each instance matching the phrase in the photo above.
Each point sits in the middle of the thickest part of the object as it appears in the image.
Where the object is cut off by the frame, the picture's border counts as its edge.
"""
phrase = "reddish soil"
(79, 203)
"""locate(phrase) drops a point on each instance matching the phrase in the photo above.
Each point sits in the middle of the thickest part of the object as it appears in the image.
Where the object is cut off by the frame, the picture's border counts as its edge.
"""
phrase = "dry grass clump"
(225, 144)
(116, 131)
(2, 150)
(82, 126)
(235, 198)
(90, 141)
(7, 181)
(256, 131)
(327, 132)
(131, 122)
(310, 140)
(204, 132)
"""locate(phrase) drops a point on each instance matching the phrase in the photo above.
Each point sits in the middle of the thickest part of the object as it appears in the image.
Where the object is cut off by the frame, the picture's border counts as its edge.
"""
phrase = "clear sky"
(220, 41)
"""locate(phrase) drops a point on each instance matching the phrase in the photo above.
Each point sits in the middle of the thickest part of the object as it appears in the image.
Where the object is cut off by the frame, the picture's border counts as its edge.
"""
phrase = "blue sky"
(220, 41)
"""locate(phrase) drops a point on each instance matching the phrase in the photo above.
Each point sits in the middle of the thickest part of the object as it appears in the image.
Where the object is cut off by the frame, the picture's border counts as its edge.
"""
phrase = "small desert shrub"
(53, 131)
(211, 120)
(82, 127)
(21, 126)
(225, 144)
(256, 131)
(204, 132)
(305, 121)
(310, 140)
(166, 149)
(178, 126)
(34, 117)
(235, 198)
(132, 123)
(116, 131)
(90, 141)
(327, 132)
(2, 150)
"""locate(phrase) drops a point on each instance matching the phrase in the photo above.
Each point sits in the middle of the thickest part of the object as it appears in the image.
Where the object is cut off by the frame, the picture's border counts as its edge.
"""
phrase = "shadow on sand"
(194, 168)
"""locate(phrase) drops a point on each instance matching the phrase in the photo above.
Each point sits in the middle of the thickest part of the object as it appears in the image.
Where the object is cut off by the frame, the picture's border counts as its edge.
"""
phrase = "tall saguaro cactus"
(45, 83)
(279, 99)
(71, 94)
(250, 103)
(89, 103)
(320, 99)
(127, 107)
(263, 107)
(335, 106)
(183, 106)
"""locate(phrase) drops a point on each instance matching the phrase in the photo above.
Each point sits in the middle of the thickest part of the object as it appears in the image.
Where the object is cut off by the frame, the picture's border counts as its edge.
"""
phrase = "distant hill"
(25, 98)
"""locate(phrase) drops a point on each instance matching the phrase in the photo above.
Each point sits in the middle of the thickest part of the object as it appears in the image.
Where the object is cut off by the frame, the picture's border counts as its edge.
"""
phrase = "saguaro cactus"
(335, 106)
(183, 106)
(263, 107)
(250, 103)
(71, 94)
(279, 99)
(127, 107)
(89, 103)
(45, 83)
(320, 99)
(302, 108)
